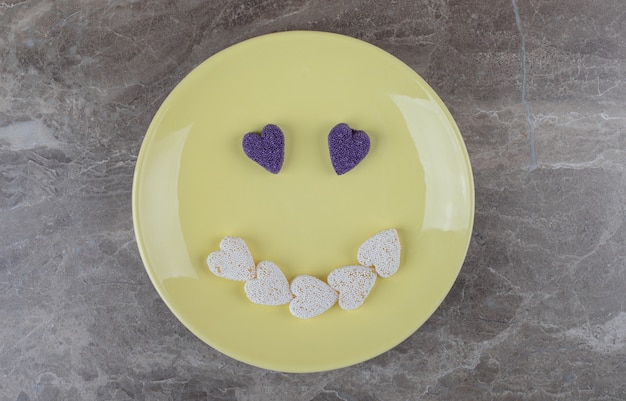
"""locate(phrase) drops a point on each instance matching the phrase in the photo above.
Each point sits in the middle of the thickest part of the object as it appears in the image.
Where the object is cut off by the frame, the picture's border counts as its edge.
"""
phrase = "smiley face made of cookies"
(308, 296)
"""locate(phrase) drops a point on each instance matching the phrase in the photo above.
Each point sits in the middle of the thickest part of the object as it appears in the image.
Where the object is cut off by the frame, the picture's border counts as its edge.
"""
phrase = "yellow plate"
(194, 185)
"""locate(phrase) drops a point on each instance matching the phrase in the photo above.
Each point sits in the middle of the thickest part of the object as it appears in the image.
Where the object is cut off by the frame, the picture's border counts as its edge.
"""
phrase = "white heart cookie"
(270, 287)
(233, 261)
(382, 251)
(312, 297)
(353, 283)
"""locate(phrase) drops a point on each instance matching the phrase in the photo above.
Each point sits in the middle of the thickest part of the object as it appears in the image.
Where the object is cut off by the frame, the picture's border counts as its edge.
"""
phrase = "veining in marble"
(537, 89)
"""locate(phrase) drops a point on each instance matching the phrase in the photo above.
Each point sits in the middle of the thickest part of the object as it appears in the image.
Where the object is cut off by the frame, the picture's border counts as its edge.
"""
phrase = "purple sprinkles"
(347, 147)
(267, 148)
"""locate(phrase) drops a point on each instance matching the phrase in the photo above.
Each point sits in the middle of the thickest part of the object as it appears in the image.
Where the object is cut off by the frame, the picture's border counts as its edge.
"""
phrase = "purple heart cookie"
(347, 147)
(267, 149)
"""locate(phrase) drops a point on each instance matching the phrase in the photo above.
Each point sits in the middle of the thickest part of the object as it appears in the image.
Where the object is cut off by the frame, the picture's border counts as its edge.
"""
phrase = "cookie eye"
(267, 148)
(347, 147)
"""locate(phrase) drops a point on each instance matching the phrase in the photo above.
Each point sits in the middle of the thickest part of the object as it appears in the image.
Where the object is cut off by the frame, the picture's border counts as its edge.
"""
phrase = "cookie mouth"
(309, 296)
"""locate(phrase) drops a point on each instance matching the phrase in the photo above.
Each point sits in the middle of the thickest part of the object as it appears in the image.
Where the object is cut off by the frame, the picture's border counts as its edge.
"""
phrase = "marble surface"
(538, 89)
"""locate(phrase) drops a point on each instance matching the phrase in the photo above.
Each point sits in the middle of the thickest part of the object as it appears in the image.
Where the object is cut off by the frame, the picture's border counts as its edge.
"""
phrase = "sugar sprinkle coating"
(233, 261)
(312, 297)
(270, 287)
(382, 251)
(353, 283)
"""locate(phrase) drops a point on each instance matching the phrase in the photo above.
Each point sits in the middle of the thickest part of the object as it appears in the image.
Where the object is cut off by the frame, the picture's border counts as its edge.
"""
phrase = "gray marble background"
(538, 89)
